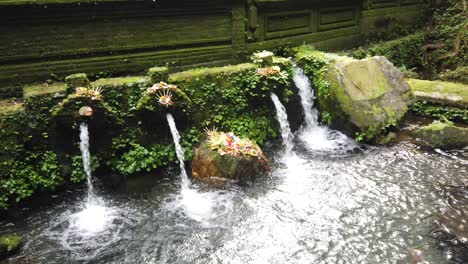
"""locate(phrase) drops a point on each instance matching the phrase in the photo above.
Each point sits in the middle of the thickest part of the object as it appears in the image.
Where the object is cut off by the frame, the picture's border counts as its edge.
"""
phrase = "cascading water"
(282, 117)
(179, 151)
(307, 97)
(86, 157)
(199, 206)
(93, 218)
(317, 137)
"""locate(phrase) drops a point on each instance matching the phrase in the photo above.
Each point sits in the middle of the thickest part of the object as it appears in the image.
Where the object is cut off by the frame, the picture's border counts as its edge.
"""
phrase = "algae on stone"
(158, 74)
(9, 244)
(443, 135)
(361, 97)
(446, 93)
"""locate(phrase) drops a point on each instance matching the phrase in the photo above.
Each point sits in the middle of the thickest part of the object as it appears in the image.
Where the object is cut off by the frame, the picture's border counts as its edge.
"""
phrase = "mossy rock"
(158, 74)
(443, 135)
(9, 244)
(118, 82)
(76, 80)
(366, 96)
(445, 93)
(189, 75)
(208, 163)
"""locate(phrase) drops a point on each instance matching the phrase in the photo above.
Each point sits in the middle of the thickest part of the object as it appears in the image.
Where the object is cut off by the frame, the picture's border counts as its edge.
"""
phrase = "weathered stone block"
(158, 74)
(77, 80)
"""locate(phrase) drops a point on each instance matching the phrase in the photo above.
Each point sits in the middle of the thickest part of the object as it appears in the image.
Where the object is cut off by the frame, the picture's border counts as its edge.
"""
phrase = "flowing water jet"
(199, 206)
(282, 118)
(315, 136)
(179, 151)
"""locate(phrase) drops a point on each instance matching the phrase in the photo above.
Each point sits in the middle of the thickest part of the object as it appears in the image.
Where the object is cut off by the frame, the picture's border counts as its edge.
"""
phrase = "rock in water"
(368, 94)
(215, 166)
(443, 135)
(9, 244)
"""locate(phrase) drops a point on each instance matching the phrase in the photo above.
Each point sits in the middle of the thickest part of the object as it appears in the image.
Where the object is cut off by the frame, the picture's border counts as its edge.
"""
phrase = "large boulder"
(443, 135)
(359, 97)
(223, 157)
(368, 95)
(9, 244)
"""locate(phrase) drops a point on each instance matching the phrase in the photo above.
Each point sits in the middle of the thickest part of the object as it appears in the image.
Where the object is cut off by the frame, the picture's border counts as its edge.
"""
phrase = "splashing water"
(307, 97)
(202, 207)
(94, 217)
(282, 118)
(317, 138)
(86, 157)
(179, 151)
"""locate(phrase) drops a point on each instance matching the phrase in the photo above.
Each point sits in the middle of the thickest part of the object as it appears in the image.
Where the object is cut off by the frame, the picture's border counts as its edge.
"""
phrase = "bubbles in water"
(94, 218)
(207, 208)
(282, 118)
(316, 137)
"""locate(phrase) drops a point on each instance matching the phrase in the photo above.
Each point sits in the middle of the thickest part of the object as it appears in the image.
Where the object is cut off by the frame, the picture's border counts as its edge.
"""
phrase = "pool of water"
(321, 204)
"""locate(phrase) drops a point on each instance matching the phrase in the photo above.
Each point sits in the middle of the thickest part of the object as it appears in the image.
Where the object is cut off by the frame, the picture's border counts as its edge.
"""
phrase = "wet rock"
(158, 74)
(217, 170)
(358, 97)
(76, 80)
(443, 135)
(371, 92)
(390, 138)
(445, 93)
(9, 244)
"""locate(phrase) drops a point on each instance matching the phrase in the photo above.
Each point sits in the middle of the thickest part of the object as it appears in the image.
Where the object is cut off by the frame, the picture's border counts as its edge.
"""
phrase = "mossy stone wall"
(49, 39)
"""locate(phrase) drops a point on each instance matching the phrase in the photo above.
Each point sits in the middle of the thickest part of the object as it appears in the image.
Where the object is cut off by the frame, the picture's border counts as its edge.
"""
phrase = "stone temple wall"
(61, 37)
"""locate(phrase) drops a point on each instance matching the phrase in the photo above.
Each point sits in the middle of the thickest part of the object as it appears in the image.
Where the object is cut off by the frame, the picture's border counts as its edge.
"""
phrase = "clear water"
(331, 202)
(179, 151)
(282, 118)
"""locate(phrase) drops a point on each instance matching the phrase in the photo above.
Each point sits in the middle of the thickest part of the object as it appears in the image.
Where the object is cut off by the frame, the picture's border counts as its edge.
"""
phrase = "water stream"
(326, 201)
(179, 151)
(282, 118)
(317, 138)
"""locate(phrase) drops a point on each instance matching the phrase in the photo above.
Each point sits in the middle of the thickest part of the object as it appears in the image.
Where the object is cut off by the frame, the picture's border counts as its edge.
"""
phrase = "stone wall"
(44, 37)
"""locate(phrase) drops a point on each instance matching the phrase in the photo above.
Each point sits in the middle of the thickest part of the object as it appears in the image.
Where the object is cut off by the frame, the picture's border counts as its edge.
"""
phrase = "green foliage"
(254, 127)
(406, 51)
(440, 112)
(140, 159)
(20, 179)
(450, 27)
(78, 174)
(327, 118)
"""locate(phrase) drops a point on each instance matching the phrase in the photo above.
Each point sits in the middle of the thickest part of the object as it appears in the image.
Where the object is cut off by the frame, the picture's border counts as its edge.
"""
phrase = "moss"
(406, 51)
(13, 125)
(443, 135)
(76, 80)
(204, 72)
(460, 74)
(158, 74)
(9, 244)
(40, 89)
(10, 106)
(118, 82)
(448, 93)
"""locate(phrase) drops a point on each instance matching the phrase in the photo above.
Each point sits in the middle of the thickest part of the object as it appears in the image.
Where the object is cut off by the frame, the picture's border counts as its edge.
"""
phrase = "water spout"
(86, 157)
(316, 137)
(282, 118)
(179, 151)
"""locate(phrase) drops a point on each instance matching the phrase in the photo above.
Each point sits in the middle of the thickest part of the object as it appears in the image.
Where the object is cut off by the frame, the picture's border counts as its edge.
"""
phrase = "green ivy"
(440, 112)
